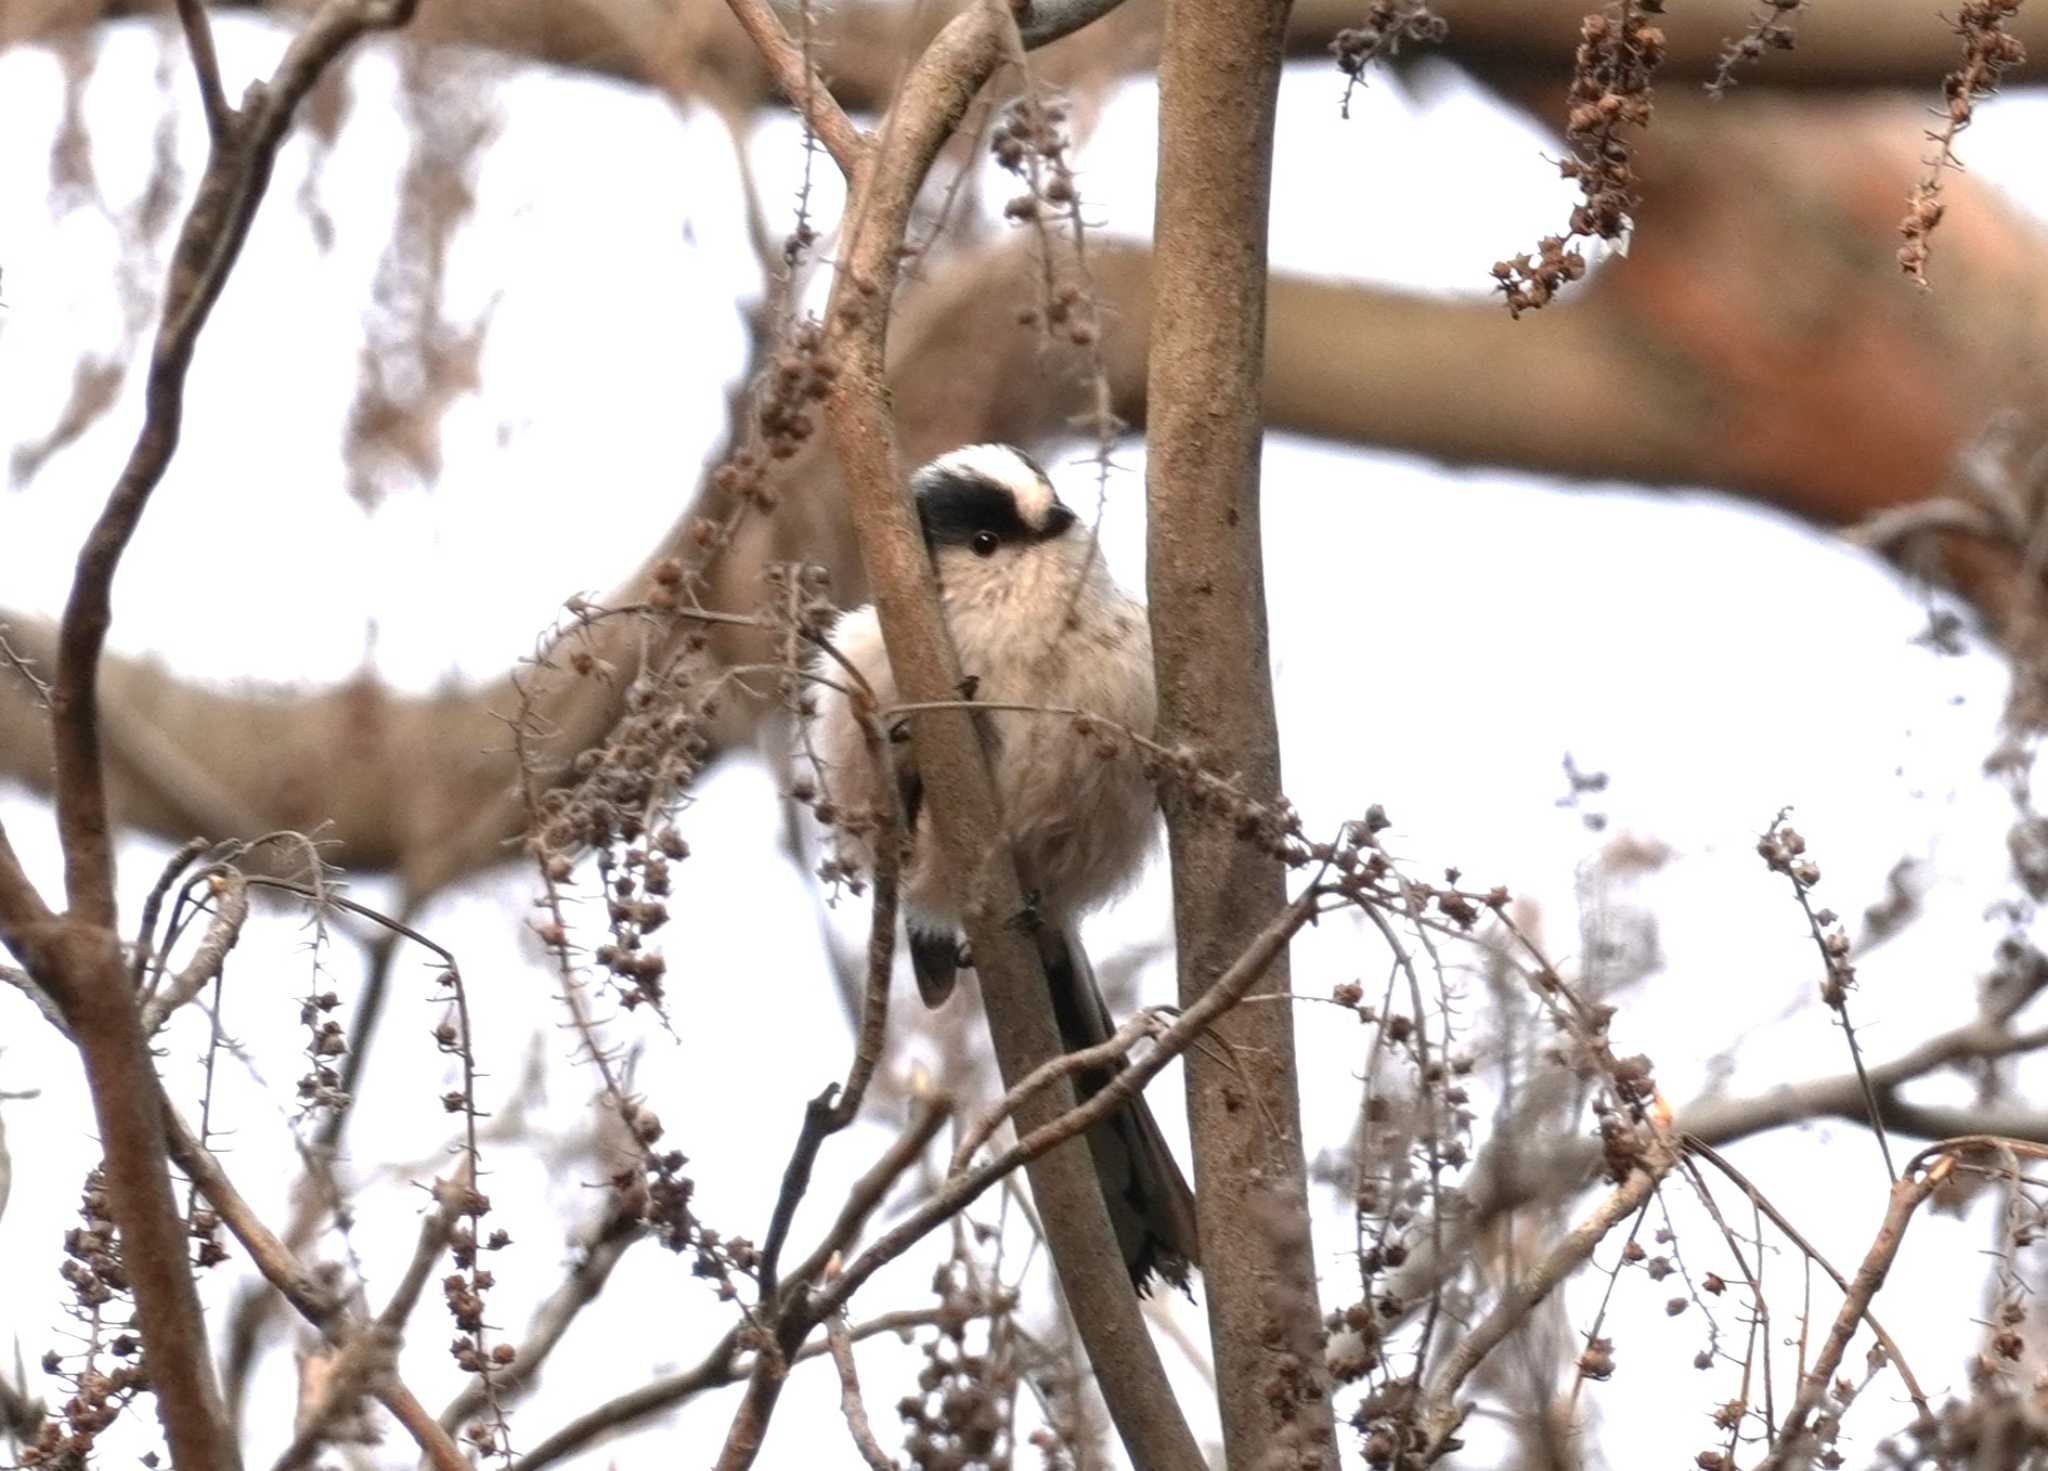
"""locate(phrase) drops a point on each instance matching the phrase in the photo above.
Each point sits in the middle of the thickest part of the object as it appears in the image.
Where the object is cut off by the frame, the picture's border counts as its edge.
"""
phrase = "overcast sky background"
(1441, 640)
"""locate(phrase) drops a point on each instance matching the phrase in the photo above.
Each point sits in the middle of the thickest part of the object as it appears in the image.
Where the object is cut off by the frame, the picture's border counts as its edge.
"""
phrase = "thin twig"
(1912, 1188)
(1147, 1023)
(840, 1341)
(1807, 1249)
(282, 1269)
(961, 1191)
(1441, 1414)
(230, 912)
(220, 116)
(835, 1108)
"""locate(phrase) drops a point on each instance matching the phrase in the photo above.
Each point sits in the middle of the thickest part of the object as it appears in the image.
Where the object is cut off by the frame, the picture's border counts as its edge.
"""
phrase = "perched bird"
(1037, 621)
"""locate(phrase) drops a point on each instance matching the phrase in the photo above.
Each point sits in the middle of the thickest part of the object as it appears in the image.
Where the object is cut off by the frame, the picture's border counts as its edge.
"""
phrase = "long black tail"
(1149, 1202)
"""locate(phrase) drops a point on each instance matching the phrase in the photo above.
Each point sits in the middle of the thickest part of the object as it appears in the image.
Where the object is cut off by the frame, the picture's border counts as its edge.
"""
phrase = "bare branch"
(1066, 1065)
(21, 908)
(1913, 1187)
(1441, 1415)
(1219, 77)
(220, 115)
(232, 187)
(1229, 988)
(801, 84)
(840, 1341)
(835, 1108)
(721, 1367)
(283, 1270)
(231, 911)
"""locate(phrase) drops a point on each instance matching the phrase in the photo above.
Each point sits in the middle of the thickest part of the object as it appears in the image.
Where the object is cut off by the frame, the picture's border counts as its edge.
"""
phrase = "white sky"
(1441, 639)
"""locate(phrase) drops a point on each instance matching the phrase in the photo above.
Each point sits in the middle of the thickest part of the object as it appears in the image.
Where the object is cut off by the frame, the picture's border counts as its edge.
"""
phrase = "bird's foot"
(1030, 916)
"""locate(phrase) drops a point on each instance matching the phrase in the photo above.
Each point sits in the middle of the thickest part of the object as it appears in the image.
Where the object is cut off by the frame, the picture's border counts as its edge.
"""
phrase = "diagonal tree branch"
(76, 959)
(933, 98)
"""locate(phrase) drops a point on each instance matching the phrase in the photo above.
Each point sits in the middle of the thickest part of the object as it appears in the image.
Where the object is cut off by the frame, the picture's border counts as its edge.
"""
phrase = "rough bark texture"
(696, 46)
(946, 744)
(1219, 79)
(81, 965)
(1756, 340)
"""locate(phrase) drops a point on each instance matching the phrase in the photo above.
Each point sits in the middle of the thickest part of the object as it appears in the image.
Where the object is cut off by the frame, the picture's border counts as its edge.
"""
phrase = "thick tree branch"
(283, 1270)
(1754, 341)
(1219, 79)
(800, 83)
(1874, 43)
(958, 792)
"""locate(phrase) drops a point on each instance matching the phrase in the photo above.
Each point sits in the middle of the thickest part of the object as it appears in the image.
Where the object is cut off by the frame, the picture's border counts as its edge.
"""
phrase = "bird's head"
(987, 510)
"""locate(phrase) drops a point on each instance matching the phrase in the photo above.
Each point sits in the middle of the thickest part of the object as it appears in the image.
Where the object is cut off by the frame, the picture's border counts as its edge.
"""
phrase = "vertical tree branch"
(1219, 78)
(933, 98)
(77, 959)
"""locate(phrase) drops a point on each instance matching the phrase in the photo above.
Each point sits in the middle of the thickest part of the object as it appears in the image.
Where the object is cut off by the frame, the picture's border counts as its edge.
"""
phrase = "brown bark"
(1219, 81)
(697, 46)
(1757, 340)
(947, 746)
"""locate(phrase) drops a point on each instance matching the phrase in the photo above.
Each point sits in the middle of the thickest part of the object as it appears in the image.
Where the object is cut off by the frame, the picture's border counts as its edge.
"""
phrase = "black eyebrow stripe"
(953, 507)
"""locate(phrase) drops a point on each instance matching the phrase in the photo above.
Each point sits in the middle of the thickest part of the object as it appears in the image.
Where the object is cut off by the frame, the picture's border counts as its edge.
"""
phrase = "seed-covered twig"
(1610, 96)
(1989, 50)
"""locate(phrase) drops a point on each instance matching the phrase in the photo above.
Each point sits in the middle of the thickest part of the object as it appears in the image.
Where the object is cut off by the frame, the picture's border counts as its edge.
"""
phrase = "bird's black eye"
(985, 543)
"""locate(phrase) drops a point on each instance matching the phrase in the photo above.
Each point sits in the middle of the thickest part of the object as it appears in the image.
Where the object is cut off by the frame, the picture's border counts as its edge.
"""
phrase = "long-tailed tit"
(1038, 623)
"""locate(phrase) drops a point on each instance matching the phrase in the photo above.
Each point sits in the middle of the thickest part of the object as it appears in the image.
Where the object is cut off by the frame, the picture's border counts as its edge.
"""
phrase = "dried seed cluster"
(112, 1369)
(1618, 53)
(960, 1416)
(1770, 29)
(1030, 141)
(1784, 851)
(781, 419)
(1989, 50)
(620, 807)
(1387, 24)
(326, 1045)
(464, 1292)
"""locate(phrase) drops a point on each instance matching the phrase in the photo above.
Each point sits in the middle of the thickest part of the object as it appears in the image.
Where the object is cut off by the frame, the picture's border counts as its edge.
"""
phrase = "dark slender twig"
(230, 912)
(795, 1315)
(145, 933)
(220, 116)
(835, 1108)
